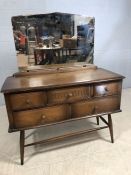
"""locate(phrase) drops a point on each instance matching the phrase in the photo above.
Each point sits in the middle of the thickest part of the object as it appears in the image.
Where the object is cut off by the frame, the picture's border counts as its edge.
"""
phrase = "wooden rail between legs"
(55, 139)
(65, 136)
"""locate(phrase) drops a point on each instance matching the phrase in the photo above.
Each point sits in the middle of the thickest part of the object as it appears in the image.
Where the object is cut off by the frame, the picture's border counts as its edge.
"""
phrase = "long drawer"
(40, 116)
(27, 100)
(68, 95)
(96, 106)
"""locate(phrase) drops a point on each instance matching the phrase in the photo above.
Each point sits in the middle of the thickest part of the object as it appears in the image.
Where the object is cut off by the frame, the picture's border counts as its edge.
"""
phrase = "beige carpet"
(92, 154)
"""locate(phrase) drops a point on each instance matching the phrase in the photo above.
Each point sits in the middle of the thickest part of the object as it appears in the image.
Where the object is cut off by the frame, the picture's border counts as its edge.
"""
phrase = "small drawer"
(37, 117)
(27, 100)
(108, 104)
(97, 106)
(68, 95)
(103, 89)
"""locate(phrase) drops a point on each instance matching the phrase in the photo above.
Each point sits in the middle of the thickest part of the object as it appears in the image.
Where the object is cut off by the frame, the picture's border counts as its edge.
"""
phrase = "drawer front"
(97, 106)
(103, 89)
(68, 95)
(41, 116)
(27, 100)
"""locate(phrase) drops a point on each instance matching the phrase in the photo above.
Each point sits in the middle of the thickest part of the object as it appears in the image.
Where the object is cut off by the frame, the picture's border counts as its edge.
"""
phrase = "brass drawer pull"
(28, 101)
(43, 117)
(106, 89)
(70, 95)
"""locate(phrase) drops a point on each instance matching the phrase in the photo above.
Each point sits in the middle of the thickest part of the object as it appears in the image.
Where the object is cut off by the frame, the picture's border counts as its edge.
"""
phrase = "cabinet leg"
(110, 127)
(22, 141)
(97, 120)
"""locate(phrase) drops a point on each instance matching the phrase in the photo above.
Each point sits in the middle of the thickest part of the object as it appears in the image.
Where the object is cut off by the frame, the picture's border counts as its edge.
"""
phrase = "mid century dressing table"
(51, 94)
(57, 94)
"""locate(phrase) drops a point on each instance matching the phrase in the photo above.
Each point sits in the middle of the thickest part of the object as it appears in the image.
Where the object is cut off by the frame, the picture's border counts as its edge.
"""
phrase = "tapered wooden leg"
(110, 127)
(22, 141)
(97, 120)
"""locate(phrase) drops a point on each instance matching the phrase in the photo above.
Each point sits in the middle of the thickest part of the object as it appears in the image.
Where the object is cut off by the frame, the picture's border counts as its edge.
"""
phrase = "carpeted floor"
(91, 154)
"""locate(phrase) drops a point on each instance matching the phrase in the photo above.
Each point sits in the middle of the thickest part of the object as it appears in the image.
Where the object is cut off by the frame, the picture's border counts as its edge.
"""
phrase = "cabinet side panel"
(9, 112)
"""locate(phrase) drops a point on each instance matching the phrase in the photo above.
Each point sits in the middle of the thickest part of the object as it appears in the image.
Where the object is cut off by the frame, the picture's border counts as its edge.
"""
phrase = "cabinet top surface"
(57, 79)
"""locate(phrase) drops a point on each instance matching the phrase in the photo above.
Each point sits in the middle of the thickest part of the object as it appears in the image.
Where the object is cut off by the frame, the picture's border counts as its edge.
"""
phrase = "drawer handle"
(43, 117)
(106, 89)
(70, 95)
(28, 101)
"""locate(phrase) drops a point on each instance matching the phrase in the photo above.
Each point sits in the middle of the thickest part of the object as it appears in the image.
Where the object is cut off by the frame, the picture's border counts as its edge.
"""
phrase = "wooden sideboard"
(50, 95)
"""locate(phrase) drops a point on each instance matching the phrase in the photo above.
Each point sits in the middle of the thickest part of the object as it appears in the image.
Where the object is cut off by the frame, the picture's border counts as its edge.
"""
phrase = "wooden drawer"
(68, 95)
(41, 116)
(103, 89)
(27, 100)
(97, 106)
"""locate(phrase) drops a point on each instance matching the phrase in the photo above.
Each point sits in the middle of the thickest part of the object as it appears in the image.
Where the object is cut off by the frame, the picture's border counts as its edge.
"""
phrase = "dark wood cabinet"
(38, 97)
